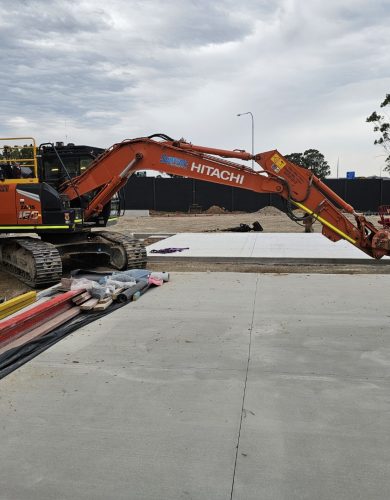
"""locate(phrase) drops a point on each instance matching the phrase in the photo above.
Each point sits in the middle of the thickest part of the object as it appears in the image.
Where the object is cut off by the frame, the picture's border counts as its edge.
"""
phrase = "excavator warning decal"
(278, 163)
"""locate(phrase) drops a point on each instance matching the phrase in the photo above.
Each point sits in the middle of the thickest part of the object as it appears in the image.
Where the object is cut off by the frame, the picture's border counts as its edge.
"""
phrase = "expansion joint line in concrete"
(245, 384)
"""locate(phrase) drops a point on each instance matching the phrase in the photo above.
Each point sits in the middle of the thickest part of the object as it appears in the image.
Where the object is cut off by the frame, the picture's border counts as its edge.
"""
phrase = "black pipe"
(127, 294)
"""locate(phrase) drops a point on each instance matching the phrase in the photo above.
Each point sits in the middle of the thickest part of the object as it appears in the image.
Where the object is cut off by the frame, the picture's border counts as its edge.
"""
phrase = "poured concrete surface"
(151, 401)
(259, 246)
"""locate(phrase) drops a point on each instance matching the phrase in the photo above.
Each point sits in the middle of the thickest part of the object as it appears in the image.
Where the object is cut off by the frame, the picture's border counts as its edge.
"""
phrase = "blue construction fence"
(179, 194)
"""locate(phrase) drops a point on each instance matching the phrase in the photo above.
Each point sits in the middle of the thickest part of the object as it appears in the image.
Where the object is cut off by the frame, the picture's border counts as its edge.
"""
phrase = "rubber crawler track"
(45, 261)
(135, 249)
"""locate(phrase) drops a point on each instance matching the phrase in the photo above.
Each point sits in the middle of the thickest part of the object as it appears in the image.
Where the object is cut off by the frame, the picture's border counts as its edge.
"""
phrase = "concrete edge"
(267, 260)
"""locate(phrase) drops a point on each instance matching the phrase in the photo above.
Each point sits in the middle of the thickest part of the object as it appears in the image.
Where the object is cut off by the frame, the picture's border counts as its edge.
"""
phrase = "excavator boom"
(298, 186)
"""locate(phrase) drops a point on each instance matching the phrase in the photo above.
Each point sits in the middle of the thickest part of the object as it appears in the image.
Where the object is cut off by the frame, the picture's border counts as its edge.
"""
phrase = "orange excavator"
(64, 215)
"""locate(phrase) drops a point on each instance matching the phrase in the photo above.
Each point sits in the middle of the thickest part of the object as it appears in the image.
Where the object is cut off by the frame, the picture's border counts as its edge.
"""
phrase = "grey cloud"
(45, 18)
(101, 66)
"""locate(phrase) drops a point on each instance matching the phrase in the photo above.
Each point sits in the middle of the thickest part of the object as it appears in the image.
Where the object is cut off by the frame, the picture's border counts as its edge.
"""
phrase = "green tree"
(313, 160)
(383, 127)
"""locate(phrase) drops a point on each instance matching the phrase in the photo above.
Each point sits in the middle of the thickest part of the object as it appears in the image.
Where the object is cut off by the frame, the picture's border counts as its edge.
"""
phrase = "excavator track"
(131, 251)
(31, 260)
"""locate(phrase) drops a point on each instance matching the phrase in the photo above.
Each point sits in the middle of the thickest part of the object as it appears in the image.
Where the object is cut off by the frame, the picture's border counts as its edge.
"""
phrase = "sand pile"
(215, 209)
(269, 211)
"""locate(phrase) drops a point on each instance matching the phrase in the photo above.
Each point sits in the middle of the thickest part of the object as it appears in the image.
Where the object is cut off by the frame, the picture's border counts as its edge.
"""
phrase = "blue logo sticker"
(172, 160)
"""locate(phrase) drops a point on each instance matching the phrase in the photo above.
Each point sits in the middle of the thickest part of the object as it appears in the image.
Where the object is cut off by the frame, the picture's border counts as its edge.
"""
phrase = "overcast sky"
(97, 72)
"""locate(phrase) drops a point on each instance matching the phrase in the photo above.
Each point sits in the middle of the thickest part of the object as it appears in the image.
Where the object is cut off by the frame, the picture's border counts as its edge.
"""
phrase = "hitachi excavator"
(64, 212)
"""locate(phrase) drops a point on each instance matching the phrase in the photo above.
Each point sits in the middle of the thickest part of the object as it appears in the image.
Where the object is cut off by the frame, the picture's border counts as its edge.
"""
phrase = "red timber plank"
(28, 320)
(41, 330)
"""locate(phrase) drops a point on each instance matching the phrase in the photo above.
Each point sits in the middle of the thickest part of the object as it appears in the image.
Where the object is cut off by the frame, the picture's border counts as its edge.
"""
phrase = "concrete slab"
(151, 401)
(131, 406)
(259, 246)
(317, 397)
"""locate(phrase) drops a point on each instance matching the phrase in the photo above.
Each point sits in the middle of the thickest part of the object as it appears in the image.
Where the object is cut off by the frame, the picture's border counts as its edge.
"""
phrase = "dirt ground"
(10, 286)
(270, 218)
(272, 222)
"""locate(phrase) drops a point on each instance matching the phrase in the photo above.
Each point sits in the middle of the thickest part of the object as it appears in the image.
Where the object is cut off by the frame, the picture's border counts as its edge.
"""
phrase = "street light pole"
(253, 133)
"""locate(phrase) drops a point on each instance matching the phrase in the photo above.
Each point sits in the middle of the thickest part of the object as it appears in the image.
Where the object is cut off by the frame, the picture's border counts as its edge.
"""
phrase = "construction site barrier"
(179, 194)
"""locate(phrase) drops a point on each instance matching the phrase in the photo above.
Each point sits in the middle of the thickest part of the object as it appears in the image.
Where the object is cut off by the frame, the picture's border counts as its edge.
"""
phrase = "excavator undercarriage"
(98, 248)
(40, 262)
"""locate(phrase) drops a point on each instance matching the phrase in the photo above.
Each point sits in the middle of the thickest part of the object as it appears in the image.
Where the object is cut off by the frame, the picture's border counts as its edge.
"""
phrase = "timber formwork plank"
(41, 330)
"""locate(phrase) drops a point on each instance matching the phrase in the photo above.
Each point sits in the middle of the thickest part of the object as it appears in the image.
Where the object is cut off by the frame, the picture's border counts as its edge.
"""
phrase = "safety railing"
(18, 160)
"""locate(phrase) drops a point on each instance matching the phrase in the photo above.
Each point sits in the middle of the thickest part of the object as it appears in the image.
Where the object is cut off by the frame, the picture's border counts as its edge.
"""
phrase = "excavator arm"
(305, 191)
(298, 186)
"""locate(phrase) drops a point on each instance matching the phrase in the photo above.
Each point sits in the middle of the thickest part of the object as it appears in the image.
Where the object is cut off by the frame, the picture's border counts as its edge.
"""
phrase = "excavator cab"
(59, 162)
